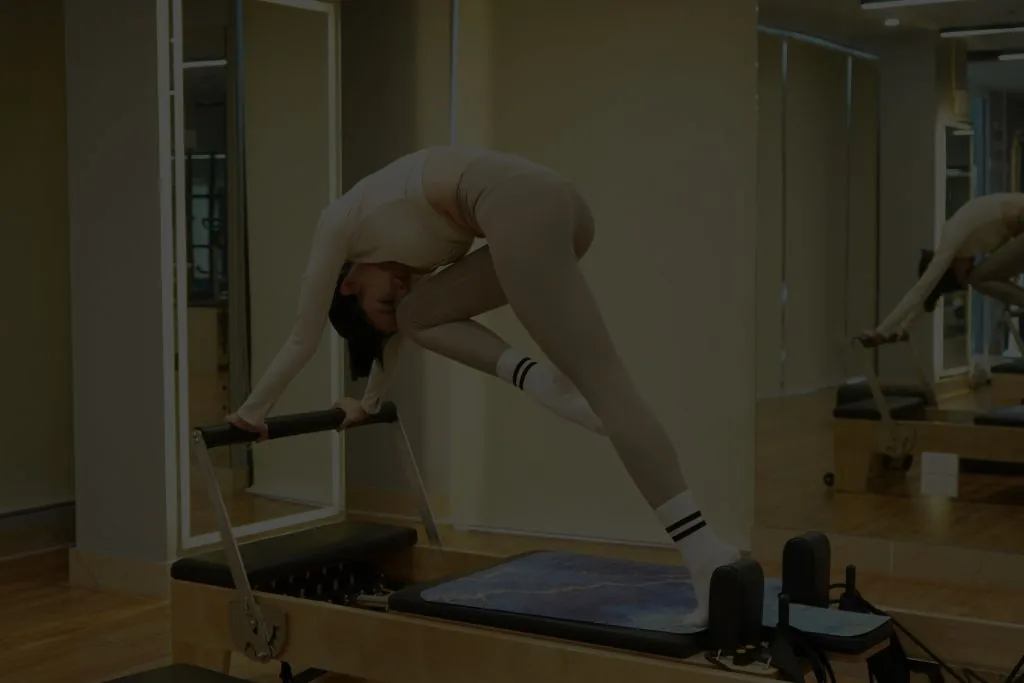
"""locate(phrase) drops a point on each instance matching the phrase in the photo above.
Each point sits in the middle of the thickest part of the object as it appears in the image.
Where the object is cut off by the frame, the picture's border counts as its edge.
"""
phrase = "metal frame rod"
(201, 455)
(203, 438)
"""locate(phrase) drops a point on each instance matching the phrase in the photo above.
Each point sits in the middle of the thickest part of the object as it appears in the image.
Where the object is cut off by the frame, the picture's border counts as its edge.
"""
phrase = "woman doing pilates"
(375, 271)
(990, 226)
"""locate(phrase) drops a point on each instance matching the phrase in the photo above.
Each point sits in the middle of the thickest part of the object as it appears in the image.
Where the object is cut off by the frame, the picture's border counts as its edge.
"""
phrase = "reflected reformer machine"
(1008, 376)
(368, 601)
(878, 429)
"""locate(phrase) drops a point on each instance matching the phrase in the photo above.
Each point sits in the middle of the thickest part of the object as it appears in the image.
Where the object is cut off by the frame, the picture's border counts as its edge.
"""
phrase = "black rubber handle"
(870, 343)
(284, 426)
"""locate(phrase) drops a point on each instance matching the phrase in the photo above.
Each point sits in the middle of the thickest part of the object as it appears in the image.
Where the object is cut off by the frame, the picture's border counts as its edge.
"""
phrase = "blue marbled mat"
(613, 592)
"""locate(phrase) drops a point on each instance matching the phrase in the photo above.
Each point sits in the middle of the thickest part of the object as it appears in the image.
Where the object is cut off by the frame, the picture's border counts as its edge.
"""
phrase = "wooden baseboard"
(113, 574)
(392, 504)
(907, 560)
(26, 532)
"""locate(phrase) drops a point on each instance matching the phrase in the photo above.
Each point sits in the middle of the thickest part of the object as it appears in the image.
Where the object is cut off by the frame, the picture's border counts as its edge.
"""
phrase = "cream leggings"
(992, 276)
(537, 227)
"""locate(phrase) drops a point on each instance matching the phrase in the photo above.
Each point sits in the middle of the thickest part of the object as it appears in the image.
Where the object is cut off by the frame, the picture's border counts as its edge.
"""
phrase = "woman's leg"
(1005, 292)
(437, 314)
(1004, 263)
(529, 221)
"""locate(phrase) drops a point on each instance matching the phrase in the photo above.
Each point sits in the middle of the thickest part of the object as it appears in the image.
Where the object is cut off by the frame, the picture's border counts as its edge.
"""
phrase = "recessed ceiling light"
(892, 21)
(969, 32)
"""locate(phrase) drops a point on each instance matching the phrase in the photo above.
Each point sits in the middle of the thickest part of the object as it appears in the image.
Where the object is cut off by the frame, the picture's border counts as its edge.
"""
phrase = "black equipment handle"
(284, 426)
(869, 343)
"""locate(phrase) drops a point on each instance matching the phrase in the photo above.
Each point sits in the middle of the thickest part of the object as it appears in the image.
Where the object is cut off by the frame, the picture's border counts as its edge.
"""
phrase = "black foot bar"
(261, 632)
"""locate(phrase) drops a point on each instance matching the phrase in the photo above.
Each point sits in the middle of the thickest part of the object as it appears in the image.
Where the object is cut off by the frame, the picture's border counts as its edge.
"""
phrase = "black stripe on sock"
(688, 531)
(519, 367)
(693, 517)
(522, 374)
(526, 371)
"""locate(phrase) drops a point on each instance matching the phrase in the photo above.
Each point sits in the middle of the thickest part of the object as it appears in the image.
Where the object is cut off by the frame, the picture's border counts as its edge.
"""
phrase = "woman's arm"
(1005, 292)
(955, 232)
(912, 304)
(326, 258)
(380, 377)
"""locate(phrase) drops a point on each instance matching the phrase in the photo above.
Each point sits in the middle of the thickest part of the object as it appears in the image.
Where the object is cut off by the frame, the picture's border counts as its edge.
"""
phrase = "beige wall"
(121, 316)
(817, 176)
(395, 99)
(658, 164)
(653, 113)
(36, 461)
(817, 212)
(908, 187)
(287, 166)
(771, 215)
(862, 236)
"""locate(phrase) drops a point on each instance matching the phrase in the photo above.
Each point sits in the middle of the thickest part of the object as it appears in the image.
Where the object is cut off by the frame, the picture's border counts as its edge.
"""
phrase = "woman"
(373, 272)
(990, 226)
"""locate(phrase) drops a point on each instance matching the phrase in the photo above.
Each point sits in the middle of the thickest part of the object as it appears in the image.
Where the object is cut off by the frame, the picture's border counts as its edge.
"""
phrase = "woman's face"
(380, 287)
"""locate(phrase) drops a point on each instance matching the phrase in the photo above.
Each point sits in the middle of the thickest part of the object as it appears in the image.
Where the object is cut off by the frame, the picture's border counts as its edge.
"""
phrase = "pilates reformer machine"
(368, 601)
(878, 429)
(1008, 377)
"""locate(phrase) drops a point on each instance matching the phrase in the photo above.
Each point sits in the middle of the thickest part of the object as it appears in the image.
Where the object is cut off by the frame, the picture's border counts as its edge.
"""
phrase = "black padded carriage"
(1007, 416)
(859, 391)
(900, 408)
(297, 553)
(1013, 367)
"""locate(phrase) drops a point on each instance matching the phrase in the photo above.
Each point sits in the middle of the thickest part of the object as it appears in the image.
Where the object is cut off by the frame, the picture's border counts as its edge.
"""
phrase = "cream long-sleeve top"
(980, 226)
(385, 217)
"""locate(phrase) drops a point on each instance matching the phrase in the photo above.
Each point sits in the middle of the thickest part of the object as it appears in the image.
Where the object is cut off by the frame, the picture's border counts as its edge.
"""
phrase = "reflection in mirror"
(817, 263)
(244, 228)
(842, 223)
(953, 354)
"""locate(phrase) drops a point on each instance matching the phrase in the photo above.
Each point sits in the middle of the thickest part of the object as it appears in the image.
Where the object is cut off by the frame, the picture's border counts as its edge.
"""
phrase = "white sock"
(703, 551)
(549, 387)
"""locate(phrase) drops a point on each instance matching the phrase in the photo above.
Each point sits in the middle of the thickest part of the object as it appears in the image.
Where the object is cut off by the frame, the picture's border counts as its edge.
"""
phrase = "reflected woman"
(390, 263)
(990, 227)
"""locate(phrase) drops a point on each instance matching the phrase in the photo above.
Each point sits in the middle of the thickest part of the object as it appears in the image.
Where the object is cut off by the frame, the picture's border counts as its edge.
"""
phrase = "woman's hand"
(872, 338)
(234, 420)
(354, 413)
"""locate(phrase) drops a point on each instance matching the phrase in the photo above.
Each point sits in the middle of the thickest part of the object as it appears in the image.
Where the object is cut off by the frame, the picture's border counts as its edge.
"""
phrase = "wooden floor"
(794, 450)
(51, 633)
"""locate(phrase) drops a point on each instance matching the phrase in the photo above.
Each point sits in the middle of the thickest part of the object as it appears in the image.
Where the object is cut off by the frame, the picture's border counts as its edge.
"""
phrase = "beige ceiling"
(844, 21)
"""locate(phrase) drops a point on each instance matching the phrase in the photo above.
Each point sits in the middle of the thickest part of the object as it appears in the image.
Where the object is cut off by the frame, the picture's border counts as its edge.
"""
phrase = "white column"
(121, 308)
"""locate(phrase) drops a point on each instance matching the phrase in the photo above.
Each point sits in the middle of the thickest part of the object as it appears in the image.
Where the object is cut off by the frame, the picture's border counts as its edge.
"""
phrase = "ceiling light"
(888, 4)
(981, 31)
(892, 21)
(1011, 57)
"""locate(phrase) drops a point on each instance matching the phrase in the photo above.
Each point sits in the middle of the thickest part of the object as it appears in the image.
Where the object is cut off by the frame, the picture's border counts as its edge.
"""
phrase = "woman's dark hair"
(948, 283)
(365, 342)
